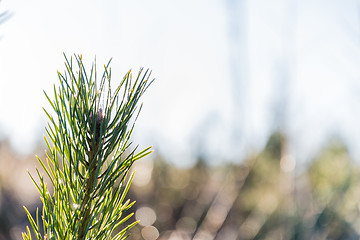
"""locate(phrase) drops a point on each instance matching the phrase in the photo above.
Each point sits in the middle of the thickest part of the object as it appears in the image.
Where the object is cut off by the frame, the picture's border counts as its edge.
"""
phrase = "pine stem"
(87, 203)
(90, 181)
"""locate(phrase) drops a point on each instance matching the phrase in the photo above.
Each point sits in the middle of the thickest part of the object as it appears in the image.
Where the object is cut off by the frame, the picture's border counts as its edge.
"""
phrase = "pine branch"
(88, 152)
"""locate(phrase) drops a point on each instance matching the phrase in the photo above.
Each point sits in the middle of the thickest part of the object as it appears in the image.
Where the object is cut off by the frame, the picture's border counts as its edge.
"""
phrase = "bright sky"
(187, 45)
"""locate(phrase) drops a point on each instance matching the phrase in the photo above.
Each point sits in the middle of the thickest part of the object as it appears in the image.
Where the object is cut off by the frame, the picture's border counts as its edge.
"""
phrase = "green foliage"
(89, 157)
(331, 171)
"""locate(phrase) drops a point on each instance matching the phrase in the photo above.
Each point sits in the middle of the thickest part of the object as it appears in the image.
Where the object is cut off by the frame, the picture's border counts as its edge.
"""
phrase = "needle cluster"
(89, 155)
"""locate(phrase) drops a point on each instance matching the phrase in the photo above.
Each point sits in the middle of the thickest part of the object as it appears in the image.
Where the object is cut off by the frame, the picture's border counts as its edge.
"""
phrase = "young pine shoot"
(89, 156)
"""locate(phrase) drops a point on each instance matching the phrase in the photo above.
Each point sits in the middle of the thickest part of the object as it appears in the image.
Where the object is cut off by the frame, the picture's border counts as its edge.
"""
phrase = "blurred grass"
(264, 197)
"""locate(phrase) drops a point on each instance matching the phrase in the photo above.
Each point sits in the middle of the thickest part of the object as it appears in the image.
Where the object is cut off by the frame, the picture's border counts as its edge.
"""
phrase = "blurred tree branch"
(4, 16)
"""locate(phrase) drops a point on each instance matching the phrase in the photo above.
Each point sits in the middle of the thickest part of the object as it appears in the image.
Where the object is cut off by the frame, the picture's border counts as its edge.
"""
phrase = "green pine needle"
(88, 139)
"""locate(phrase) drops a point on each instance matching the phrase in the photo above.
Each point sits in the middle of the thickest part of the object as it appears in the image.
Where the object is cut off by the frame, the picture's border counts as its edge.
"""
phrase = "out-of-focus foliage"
(263, 197)
(4, 15)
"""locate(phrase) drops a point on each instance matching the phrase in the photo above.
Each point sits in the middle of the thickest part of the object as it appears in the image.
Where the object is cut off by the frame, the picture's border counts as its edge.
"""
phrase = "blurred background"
(253, 116)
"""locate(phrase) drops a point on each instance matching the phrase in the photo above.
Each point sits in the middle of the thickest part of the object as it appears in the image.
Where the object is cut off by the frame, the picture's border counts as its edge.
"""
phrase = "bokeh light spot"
(146, 216)
(150, 233)
(288, 163)
(144, 168)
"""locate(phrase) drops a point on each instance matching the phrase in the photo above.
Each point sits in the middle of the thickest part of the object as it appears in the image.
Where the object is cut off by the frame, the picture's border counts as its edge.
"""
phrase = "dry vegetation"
(261, 198)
